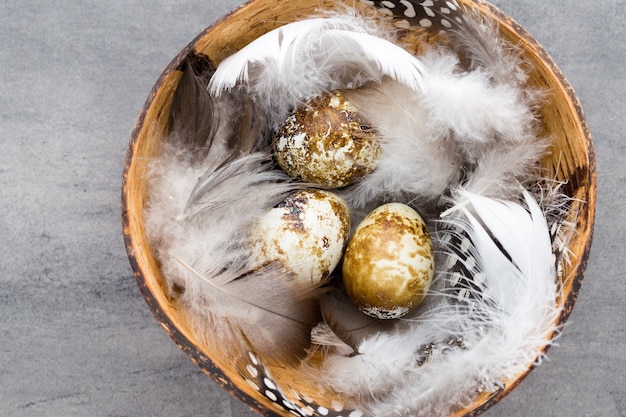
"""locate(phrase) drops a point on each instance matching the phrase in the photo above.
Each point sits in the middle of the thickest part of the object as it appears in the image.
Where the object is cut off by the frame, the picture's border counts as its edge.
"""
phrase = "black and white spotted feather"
(434, 15)
(257, 375)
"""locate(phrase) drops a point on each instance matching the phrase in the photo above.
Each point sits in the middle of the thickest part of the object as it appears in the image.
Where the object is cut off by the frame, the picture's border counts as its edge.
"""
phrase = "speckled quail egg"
(306, 232)
(388, 265)
(325, 141)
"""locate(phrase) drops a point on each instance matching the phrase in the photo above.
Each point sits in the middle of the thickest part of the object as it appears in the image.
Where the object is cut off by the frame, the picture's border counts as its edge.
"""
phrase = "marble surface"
(76, 337)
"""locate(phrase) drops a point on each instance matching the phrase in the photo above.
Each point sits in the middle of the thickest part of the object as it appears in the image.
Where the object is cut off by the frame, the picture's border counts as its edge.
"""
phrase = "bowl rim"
(485, 400)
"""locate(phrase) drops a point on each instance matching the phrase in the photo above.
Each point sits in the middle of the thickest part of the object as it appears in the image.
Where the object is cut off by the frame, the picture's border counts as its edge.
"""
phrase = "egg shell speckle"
(306, 232)
(324, 141)
(389, 262)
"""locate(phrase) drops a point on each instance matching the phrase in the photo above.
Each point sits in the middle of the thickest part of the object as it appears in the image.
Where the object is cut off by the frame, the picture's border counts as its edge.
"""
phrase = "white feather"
(524, 256)
(302, 59)
(472, 105)
(417, 164)
(458, 125)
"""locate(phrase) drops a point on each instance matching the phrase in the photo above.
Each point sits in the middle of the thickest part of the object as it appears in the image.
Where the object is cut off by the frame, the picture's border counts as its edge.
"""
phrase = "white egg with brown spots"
(306, 233)
(325, 141)
(389, 265)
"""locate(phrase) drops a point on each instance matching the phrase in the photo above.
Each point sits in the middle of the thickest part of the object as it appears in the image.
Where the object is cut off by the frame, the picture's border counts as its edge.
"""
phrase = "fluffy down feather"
(417, 164)
(459, 126)
(204, 249)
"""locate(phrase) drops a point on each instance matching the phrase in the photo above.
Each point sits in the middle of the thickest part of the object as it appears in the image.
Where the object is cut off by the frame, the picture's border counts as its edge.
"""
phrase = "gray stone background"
(76, 337)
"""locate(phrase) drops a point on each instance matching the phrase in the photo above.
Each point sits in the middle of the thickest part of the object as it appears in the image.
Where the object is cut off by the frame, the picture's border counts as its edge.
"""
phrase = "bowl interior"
(572, 160)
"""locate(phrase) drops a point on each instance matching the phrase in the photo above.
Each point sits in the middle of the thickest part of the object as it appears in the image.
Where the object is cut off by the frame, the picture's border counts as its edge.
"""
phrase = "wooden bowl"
(562, 117)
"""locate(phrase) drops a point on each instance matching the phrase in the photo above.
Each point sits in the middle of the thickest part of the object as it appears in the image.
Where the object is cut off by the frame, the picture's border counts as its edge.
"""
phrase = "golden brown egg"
(325, 141)
(389, 262)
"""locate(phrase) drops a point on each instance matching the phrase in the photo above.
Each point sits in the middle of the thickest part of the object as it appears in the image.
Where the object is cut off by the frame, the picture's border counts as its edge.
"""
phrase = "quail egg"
(388, 265)
(306, 232)
(325, 141)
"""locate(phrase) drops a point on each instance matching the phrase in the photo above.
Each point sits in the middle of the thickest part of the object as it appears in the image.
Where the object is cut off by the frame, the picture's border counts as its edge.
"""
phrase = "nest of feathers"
(457, 139)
